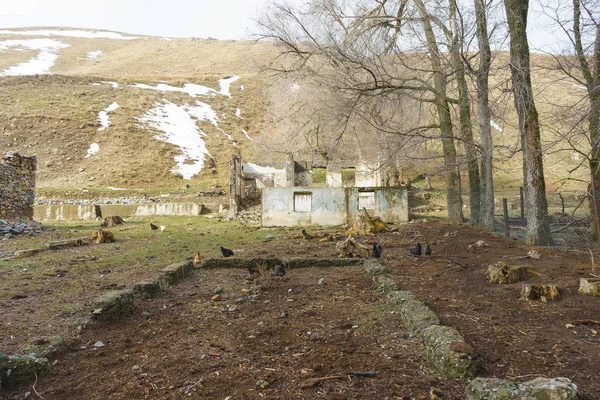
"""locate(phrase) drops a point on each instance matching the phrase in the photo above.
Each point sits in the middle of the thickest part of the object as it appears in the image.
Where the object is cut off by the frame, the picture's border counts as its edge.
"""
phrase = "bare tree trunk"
(536, 205)
(466, 128)
(483, 118)
(591, 75)
(453, 197)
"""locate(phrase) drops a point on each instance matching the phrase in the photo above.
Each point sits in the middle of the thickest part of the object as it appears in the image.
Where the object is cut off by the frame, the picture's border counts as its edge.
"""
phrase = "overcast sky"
(220, 19)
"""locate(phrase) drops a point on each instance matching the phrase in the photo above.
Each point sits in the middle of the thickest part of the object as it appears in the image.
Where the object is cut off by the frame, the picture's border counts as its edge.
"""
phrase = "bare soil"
(184, 345)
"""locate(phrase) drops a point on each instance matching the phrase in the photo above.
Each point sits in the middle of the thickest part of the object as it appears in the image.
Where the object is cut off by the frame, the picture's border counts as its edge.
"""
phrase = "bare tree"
(374, 55)
(536, 205)
(486, 220)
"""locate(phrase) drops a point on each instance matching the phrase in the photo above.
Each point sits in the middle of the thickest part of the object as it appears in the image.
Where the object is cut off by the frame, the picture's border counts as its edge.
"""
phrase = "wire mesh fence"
(570, 220)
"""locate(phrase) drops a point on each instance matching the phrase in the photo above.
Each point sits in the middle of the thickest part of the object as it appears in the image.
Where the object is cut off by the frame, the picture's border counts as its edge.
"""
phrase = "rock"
(374, 268)
(219, 289)
(191, 329)
(491, 389)
(533, 254)
(263, 384)
(269, 237)
(321, 281)
(98, 344)
(232, 309)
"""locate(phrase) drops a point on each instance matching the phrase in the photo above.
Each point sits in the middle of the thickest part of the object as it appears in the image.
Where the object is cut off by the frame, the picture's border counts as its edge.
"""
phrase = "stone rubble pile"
(250, 216)
(9, 230)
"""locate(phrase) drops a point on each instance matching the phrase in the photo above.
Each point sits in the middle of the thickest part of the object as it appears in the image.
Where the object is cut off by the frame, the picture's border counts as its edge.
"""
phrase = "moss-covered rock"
(18, 369)
(550, 389)
(491, 389)
(386, 285)
(112, 305)
(174, 272)
(146, 288)
(46, 348)
(416, 316)
(537, 389)
(443, 350)
(374, 268)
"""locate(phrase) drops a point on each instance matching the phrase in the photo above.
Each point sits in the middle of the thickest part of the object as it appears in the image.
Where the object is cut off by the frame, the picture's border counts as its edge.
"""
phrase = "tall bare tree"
(373, 51)
(536, 204)
(486, 220)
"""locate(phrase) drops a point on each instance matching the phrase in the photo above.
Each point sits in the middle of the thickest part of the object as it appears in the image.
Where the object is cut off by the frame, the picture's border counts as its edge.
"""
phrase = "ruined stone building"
(289, 198)
(17, 183)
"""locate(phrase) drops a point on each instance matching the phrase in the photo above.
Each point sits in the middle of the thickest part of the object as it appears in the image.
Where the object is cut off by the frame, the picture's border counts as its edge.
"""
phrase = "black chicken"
(279, 270)
(226, 252)
(153, 227)
(377, 250)
(427, 250)
(416, 251)
(253, 272)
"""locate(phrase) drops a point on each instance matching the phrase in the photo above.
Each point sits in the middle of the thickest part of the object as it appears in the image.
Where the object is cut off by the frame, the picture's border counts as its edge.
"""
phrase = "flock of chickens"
(279, 270)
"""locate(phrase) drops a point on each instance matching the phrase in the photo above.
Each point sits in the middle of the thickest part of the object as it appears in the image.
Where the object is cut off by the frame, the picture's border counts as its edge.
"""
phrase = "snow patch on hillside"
(94, 148)
(189, 88)
(93, 55)
(38, 65)
(246, 134)
(113, 84)
(224, 84)
(496, 126)
(69, 33)
(177, 125)
(103, 116)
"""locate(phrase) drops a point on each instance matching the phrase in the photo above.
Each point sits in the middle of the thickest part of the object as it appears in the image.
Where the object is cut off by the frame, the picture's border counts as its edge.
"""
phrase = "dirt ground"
(184, 345)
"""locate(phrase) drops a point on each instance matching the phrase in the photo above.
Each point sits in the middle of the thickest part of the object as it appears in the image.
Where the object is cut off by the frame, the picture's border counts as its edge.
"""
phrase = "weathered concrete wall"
(17, 182)
(391, 204)
(333, 175)
(266, 176)
(328, 207)
(86, 212)
(303, 173)
(368, 176)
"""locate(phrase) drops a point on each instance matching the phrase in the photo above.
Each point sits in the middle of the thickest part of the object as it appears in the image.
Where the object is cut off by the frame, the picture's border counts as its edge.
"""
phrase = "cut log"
(66, 243)
(590, 286)
(102, 236)
(501, 273)
(540, 292)
(349, 248)
(109, 222)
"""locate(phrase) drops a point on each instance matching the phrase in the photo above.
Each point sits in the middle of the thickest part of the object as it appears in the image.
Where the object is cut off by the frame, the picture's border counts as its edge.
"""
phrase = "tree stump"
(590, 286)
(540, 292)
(365, 224)
(102, 236)
(501, 273)
(349, 248)
(109, 222)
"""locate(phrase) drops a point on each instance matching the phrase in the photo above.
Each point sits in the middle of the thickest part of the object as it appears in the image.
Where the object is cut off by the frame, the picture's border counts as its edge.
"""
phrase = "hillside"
(105, 111)
(93, 122)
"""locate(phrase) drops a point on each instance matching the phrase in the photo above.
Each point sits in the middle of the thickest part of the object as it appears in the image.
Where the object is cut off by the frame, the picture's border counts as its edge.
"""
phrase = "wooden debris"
(103, 236)
(306, 235)
(109, 222)
(540, 292)
(66, 243)
(502, 273)
(366, 225)
(478, 244)
(590, 286)
(312, 382)
(349, 248)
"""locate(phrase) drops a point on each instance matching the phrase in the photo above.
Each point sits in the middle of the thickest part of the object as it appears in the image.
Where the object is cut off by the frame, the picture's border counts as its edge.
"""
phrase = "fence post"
(506, 226)
(522, 204)
(594, 197)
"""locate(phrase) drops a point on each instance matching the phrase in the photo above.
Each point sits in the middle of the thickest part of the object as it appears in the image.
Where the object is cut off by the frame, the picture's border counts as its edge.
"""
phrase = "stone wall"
(17, 182)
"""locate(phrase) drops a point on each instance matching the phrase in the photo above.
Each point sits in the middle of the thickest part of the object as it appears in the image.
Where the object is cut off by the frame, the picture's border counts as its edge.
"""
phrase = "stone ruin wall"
(17, 182)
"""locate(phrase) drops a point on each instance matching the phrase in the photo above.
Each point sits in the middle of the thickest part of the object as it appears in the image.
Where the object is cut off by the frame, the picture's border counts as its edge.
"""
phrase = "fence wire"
(570, 219)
